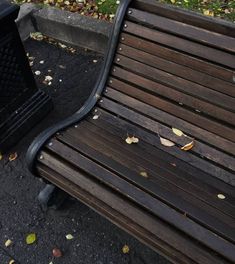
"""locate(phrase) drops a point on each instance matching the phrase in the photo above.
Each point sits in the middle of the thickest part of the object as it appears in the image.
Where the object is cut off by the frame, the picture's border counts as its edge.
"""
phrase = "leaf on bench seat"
(188, 146)
(166, 142)
(131, 140)
(178, 132)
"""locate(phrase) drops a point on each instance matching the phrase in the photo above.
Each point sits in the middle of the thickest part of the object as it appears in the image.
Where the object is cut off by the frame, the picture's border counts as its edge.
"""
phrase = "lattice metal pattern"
(11, 78)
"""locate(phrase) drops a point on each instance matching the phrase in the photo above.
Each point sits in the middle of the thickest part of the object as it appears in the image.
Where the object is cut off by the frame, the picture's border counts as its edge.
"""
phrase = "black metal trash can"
(22, 105)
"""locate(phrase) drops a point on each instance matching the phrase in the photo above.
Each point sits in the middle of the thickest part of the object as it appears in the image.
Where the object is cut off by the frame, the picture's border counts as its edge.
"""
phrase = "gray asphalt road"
(95, 239)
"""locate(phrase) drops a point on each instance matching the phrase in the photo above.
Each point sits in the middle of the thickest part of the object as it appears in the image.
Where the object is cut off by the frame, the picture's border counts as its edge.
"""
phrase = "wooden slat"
(157, 153)
(177, 83)
(149, 120)
(177, 96)
(186, 16)
(153, 232)
(173, 121)
(112, 152)
(179, 70)
(171, 55)
(184, 30)
(178, 43)
(93, 147)
(181, 112)
(158, 208)
(151, 126)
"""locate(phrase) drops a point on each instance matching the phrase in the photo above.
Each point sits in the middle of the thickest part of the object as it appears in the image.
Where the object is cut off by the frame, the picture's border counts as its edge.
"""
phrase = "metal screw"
(123, 38)
(114, 70)
(118, 59)
(101, 101)
(110, 81)
(41, 157)
(50, 144)
(125, 26)
(130, 12)
(120, 49)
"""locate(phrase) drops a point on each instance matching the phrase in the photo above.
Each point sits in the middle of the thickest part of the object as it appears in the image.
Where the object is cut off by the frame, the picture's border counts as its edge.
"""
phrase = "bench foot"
(51, 197)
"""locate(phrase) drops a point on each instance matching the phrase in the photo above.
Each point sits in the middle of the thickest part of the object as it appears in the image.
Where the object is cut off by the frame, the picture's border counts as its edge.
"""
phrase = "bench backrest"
(176, 69)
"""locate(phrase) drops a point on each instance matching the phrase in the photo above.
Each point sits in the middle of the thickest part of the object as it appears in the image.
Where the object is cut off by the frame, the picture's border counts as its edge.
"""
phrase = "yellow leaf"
(208, 12)
(69, 237)
(125, 249)
(144, 174)
(12, 261)
(166, 142)
(8, 243)
(178, 132)
(130, 140)
(31, 238)
(13, 156)
(188, 146)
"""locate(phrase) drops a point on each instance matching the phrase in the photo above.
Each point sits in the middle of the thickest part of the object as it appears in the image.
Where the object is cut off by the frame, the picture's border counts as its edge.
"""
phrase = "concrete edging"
(71, 28)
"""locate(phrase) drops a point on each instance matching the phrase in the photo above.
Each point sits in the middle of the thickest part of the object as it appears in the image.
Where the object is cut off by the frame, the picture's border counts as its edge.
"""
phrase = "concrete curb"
(24, 20)
(73, 28)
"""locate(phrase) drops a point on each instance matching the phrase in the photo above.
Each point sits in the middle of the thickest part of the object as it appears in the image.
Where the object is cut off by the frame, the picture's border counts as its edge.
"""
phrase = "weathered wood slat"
(158, 208)
(161, 90)
(178, 43)
(100, 145)
(200, 65)
(153, 232)
(155, 152)
(178, 83)
(185, 114)
(182, 29)
(186, 16)
(151, 126)
(179, 70)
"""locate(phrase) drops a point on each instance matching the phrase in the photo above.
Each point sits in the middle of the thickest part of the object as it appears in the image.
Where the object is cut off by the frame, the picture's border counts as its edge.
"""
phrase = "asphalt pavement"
(96, 240)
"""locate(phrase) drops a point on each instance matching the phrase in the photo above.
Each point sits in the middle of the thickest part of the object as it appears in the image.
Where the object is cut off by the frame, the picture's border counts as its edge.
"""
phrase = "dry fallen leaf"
(125, 249)
(31, 238)
(8, 243)
(188, 146)
(166, 142)
(144, 174)
(1, 157)
(11, 261)
(221, 196)
(131, 140)
(57, 253)
(178, 132)
(69, 237)
(13, 156)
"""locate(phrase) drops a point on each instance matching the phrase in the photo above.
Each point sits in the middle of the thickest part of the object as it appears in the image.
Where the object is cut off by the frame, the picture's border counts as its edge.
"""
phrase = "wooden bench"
(165, 68)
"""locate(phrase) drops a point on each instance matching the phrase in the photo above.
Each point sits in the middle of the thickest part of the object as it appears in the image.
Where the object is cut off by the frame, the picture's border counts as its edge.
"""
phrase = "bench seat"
(168, 82)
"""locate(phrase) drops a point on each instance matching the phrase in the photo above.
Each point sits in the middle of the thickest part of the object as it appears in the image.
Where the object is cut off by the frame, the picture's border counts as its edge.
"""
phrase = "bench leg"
(51, 197)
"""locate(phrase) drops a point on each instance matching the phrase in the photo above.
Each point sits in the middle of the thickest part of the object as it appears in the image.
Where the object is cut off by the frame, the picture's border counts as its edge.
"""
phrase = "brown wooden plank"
(184, 30)
(148, 119)
(112, 152)
(157, 154)
(179, 70)
(186, 16)
(158, 208)
(177, 43)
(192, 162)
(161, 90)
(178, 83)
(144, 122)
(187, 115)
(171, 55)
(153, 232)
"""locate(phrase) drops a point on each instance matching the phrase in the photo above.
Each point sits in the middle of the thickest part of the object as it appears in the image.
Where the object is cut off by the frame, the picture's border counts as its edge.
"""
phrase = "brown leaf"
(13, 156)
(188, 146)
(144, 174)
(57, 253)
(131, 140)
